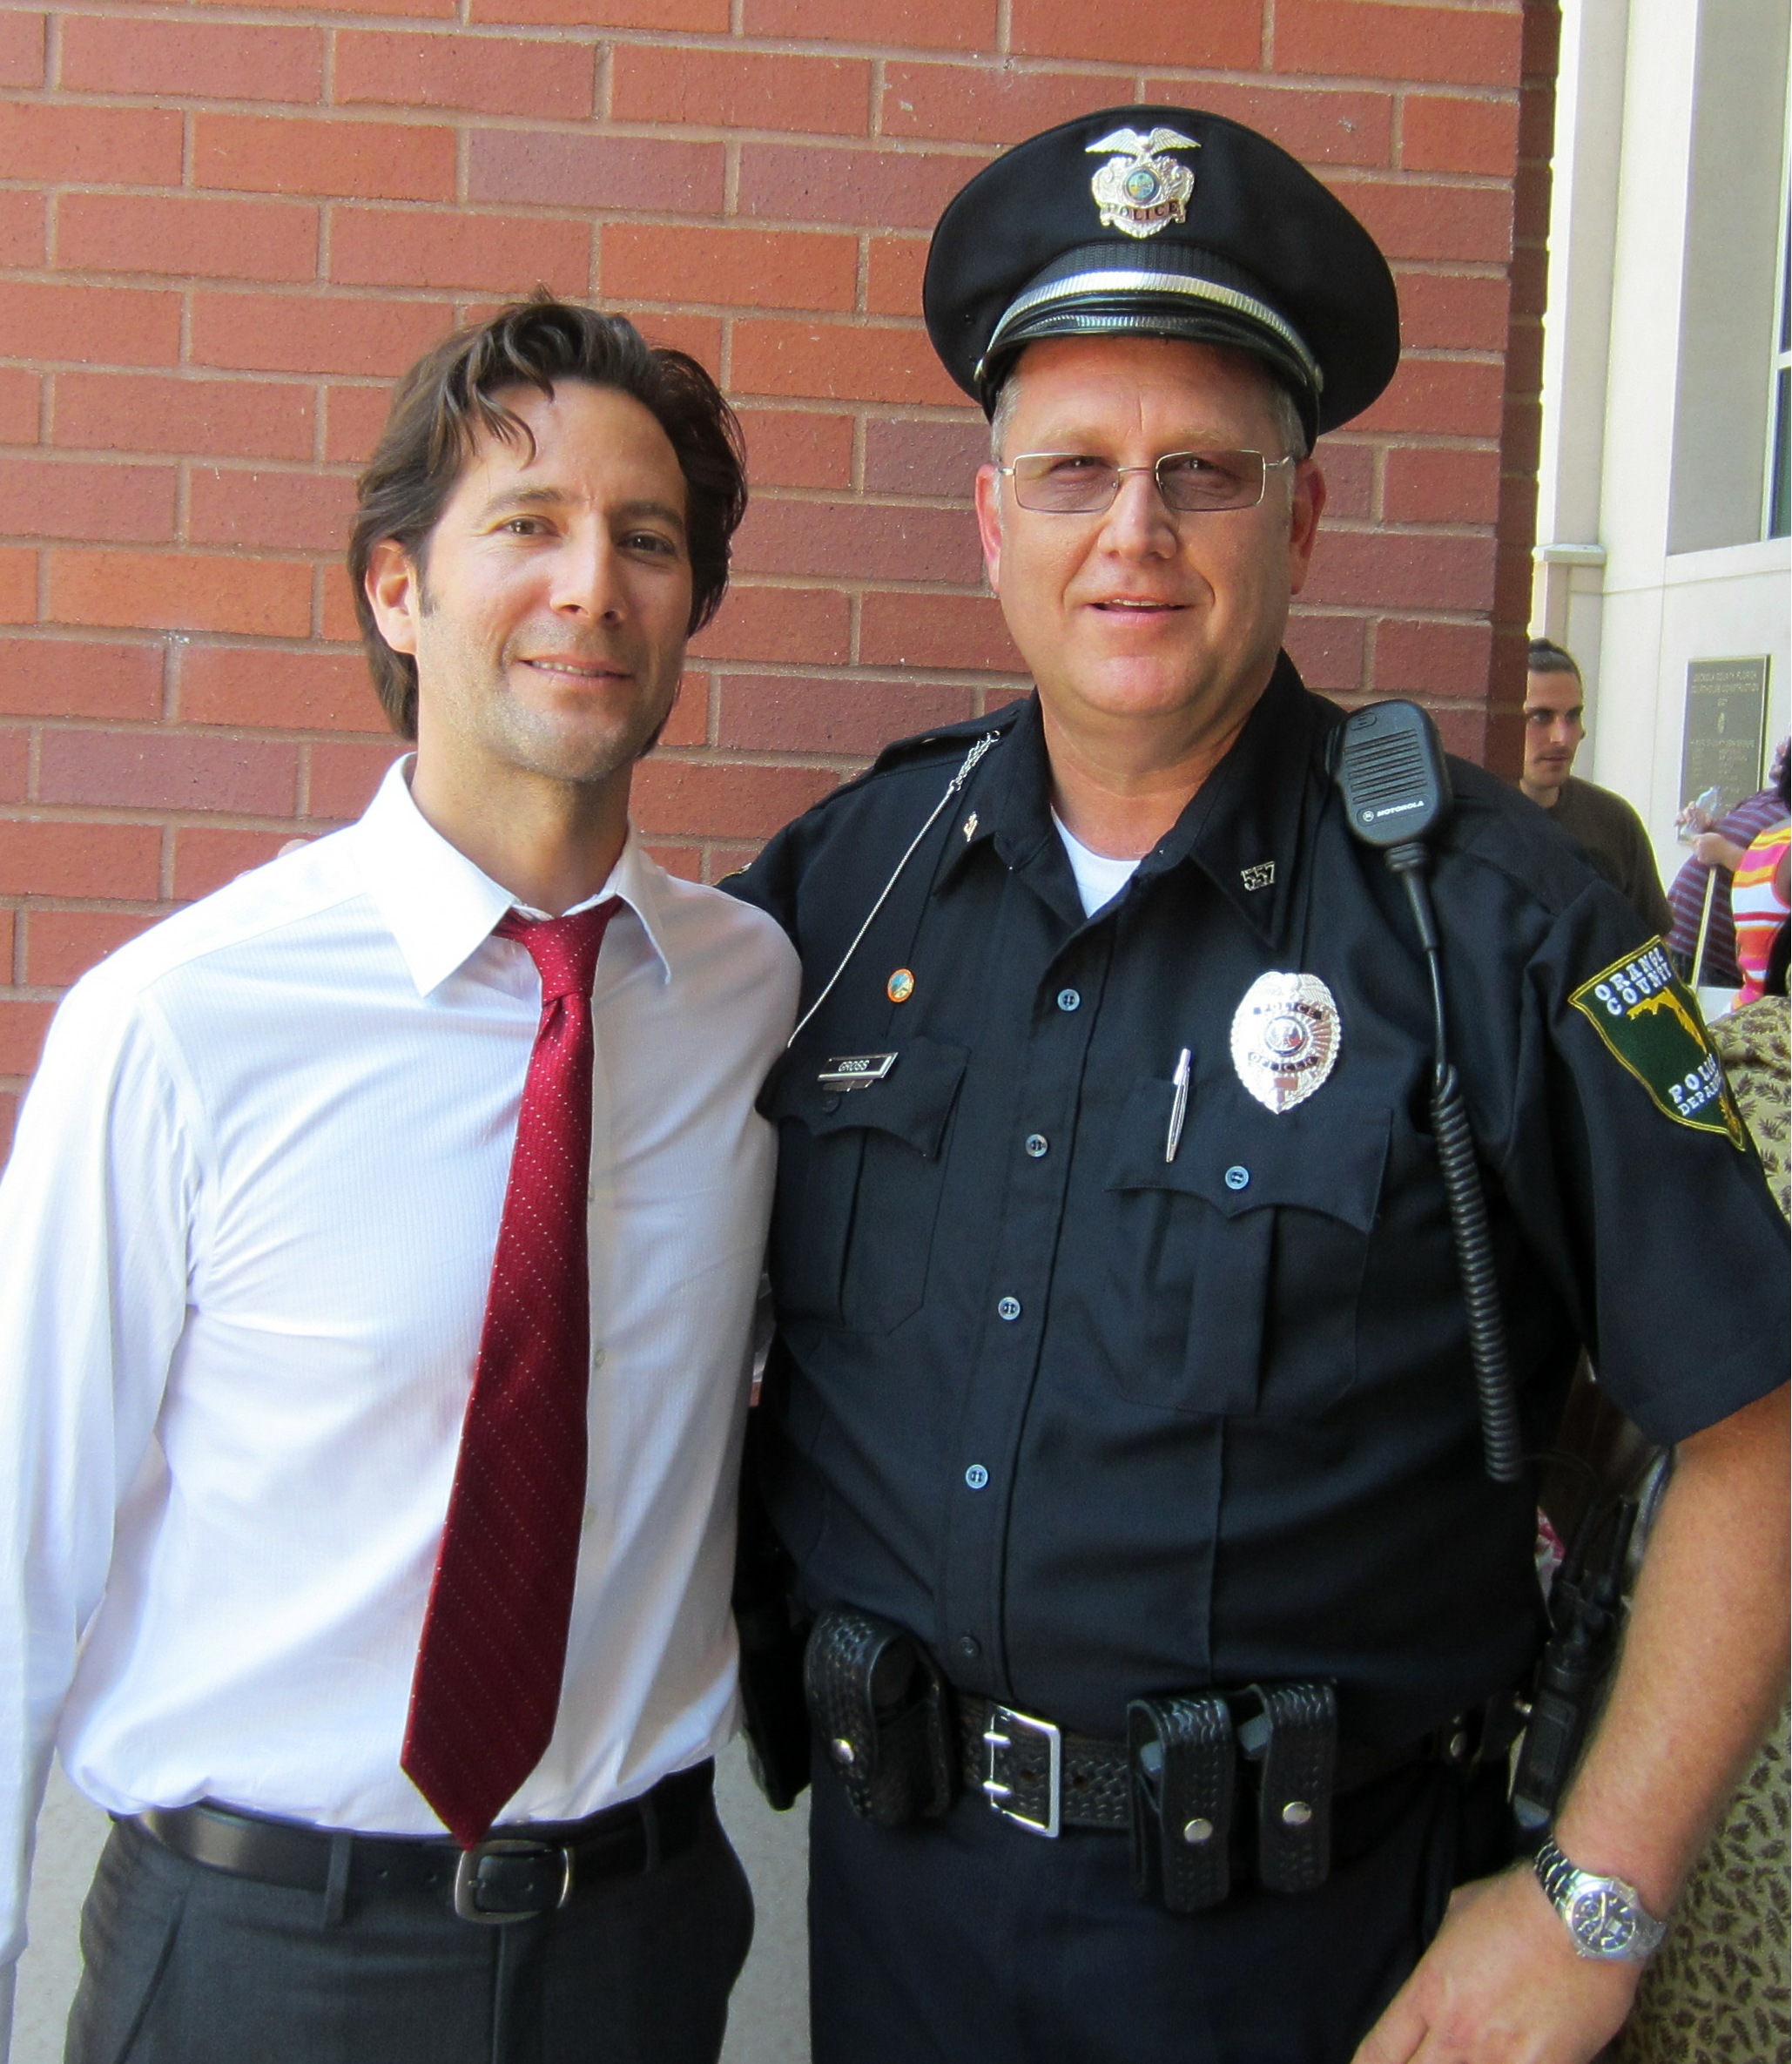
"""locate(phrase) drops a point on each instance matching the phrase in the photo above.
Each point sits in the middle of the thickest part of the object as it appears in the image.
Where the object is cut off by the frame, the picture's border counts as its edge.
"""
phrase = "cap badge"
(1284, 1039)
(1142, 191)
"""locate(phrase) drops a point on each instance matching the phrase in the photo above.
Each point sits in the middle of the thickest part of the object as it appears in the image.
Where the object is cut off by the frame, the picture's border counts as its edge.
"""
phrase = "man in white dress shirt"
(246, 1242)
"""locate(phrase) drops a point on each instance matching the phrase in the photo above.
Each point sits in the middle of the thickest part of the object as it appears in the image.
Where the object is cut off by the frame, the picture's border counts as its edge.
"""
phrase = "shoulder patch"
(1650, 1022)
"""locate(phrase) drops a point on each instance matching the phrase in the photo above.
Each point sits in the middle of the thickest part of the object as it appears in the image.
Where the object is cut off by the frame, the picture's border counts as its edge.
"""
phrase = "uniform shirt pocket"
(1237, 1269)
(860, 1175)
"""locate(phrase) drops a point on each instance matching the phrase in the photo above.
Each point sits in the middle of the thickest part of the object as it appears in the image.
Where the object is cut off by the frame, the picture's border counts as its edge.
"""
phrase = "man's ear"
(1308, 503)
(989, 523)
(394, 588)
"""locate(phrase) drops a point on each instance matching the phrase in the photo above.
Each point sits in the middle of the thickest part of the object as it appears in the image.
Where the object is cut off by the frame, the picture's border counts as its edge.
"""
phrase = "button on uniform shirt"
(246, 1241)
(1095, 1423)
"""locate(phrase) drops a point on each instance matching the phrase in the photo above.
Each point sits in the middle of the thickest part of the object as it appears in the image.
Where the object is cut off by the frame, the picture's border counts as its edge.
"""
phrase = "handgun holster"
(878, 1700)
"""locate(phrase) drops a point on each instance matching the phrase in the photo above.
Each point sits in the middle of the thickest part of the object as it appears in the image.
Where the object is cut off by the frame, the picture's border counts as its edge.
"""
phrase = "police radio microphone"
(1388, 762)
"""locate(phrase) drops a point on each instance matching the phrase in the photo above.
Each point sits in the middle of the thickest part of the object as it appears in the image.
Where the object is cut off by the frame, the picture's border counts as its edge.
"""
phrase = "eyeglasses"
(1191, 482)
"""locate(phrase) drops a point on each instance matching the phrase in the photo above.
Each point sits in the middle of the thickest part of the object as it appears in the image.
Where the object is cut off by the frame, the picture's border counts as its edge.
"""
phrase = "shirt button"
(1036, 1144)
(969, 1647)
(976, 1477)
(1069, 999)
(1009, 1308)
(597, 1358)
(1237, 1177)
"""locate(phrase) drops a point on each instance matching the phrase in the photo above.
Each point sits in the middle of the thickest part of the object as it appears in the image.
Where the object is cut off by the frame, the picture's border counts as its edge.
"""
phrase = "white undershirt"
(1099, 879)
(246, 1239)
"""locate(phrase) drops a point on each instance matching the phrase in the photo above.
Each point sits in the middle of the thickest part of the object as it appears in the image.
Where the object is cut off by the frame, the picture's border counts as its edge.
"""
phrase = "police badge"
(1142, 191)
(1285, 1038)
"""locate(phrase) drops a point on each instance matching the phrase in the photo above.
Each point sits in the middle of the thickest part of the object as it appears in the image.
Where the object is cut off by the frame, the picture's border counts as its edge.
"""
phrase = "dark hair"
(446, 399)
(1548, 657)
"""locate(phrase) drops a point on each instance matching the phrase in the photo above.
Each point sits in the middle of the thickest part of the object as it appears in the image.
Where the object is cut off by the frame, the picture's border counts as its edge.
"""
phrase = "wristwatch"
(1606, 1916)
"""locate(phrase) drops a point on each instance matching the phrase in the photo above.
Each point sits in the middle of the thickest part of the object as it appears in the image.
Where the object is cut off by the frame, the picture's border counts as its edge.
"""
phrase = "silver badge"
(1285, 1038)
(1142, 191)
(1261, 876)
(970, 828)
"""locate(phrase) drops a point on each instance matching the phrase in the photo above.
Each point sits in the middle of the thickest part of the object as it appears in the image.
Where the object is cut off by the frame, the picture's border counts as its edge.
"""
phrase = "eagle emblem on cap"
(1142, 191)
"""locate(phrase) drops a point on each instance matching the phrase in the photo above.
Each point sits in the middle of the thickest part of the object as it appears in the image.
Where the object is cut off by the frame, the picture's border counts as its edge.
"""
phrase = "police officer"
(1120, 1425)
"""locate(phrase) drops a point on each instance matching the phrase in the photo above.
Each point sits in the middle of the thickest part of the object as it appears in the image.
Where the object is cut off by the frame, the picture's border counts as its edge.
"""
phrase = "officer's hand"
(1502, 1985)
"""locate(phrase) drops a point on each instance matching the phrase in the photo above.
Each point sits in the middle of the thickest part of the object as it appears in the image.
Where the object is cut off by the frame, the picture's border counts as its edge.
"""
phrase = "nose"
(1140, 522)
(586, 581)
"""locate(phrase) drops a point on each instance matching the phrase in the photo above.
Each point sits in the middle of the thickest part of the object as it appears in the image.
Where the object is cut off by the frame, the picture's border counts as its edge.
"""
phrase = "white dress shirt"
(245, 1240)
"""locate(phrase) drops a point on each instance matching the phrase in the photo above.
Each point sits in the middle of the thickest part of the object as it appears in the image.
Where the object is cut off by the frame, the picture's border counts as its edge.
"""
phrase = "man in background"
(1604, 823)
(377, 1253)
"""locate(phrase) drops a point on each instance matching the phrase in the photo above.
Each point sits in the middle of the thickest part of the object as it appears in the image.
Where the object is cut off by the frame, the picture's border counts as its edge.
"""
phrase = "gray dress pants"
(186, 1964)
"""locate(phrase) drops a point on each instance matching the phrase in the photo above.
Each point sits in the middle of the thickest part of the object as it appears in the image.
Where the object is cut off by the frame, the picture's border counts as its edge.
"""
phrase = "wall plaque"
(1725, 730)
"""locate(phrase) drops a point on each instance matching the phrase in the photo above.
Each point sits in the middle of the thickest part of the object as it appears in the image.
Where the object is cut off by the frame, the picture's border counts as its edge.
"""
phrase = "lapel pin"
(1263, 875)
(970, 828)
(901, 986)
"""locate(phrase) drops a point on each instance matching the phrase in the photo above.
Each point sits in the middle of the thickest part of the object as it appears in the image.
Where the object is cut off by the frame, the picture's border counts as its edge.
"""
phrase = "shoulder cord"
(951, 788)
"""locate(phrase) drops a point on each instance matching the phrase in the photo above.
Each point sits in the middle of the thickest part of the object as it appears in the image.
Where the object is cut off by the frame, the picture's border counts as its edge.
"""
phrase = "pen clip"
(1179, 1106)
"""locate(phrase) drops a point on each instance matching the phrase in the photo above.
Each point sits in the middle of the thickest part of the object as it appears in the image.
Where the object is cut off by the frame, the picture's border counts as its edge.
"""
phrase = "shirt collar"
(1242, 828)
(442, 908)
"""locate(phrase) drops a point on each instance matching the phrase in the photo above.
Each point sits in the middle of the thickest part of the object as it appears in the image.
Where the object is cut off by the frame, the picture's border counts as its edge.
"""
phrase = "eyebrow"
(544, 497)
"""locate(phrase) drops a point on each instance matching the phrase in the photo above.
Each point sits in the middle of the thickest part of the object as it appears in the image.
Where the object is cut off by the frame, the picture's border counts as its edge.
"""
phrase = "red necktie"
(486, 1685)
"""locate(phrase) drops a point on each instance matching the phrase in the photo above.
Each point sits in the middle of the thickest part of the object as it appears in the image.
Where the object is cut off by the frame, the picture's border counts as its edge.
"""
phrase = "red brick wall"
(219, 240)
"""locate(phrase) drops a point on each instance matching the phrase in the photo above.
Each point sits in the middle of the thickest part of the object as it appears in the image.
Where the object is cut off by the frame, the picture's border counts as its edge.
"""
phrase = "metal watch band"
(1606, 1917)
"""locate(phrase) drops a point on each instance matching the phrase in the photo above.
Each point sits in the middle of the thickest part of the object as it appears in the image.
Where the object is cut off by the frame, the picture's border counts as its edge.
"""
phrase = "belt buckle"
(467, 1877)
(999, 1732)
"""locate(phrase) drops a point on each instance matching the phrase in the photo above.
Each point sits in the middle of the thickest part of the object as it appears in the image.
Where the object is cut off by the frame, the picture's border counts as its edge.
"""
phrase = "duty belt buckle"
(467, 1880)
(1005, 1754)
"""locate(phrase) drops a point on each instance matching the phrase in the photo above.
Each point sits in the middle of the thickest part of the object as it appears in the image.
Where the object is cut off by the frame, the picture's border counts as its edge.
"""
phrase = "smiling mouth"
(1136, 606)
(579, 669)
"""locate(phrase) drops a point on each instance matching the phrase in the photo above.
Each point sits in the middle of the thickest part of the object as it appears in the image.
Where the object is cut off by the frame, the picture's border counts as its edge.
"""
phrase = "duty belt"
(1043, 1777)
(1208, 1782)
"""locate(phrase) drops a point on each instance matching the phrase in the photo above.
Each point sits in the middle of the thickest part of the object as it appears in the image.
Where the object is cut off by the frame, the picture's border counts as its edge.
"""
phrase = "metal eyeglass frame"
(1268, 465)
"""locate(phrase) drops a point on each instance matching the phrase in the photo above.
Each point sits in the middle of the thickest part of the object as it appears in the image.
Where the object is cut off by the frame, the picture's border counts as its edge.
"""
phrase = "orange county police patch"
(1650, 1021)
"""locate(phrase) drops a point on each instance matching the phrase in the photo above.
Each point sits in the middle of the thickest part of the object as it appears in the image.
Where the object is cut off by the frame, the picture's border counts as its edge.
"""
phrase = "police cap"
(1169, 222)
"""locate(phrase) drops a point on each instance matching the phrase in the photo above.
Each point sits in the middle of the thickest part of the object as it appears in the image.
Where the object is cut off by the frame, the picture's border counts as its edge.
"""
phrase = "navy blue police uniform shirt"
(1095, 1424)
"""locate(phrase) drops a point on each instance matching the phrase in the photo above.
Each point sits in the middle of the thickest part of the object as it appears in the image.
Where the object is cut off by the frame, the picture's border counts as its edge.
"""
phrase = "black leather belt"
(516, 1873)
(1044, 1777)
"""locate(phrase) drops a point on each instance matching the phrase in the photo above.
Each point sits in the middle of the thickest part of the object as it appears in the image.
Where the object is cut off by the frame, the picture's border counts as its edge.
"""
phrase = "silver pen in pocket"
(1179, 1106)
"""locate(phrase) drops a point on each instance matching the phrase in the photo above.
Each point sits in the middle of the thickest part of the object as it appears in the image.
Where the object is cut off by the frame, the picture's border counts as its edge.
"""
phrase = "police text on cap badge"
(1285, 1038)
(1142, 191)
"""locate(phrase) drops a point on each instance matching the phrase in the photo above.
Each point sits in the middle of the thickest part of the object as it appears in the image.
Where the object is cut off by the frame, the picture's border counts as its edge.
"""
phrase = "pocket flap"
(1325, 1156)
(911, 1103)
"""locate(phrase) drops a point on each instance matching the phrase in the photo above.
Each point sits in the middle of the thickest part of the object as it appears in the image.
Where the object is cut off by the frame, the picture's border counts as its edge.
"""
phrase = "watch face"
(1603, 1922)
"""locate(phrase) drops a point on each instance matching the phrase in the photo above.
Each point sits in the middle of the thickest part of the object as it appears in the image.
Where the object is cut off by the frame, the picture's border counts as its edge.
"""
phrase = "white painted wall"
(1646, 340)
